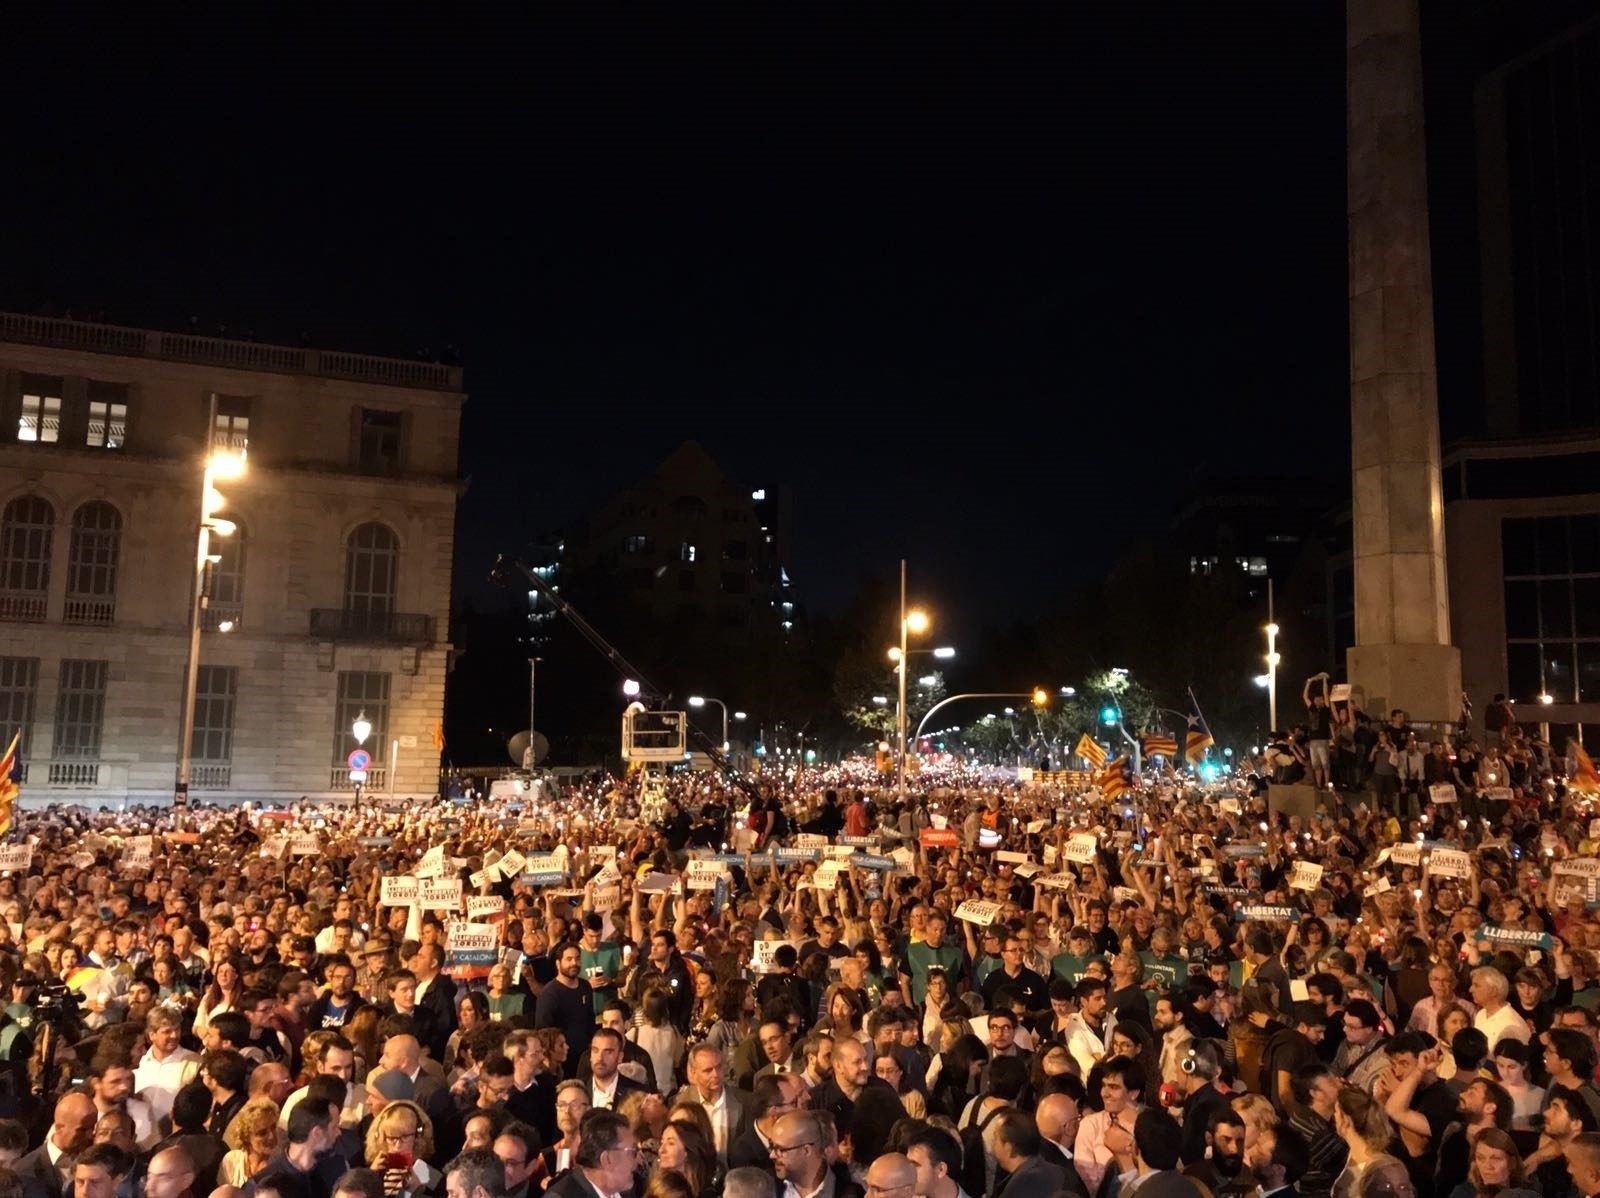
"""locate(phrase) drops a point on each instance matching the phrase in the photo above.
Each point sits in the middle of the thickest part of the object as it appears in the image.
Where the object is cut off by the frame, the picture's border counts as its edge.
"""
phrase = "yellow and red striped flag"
(1158, 744)
(1585, 778)
(1091, 751)
(1113, 779)
(10, 789)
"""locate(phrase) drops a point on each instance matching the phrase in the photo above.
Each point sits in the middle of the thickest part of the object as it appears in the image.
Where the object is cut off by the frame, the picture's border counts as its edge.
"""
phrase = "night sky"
(985, 284)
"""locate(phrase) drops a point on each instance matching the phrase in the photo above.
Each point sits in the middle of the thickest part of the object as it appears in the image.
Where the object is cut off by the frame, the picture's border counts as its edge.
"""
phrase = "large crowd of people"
(813, 987)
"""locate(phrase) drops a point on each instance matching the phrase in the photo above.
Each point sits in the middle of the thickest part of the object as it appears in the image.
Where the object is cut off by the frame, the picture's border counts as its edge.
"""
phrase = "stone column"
(1402, 656)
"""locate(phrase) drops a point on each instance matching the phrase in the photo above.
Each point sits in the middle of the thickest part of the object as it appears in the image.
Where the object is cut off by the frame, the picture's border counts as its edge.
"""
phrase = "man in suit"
(1148, 1157)
(603, 1166)
(47, 1170)
(774, 1096)
(607, 1087)
(436, 994)
(728, 1109)
(777, 1047)
(618, 1015)
(1057, 1119)
(1016, 1152)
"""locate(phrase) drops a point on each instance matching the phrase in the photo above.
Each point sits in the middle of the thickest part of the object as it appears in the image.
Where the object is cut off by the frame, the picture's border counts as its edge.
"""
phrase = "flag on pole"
(1585, 778)
(1113, 779)
(1198, 737)
(1091, 751)
(10, 783)
(1158, 744)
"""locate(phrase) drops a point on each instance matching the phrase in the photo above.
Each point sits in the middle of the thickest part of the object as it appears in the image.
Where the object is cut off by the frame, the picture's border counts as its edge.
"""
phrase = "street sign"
(359, 759)
(357, 777)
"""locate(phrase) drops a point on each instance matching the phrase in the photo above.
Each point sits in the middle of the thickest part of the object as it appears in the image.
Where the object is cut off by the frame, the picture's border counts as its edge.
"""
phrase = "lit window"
(637, 544)
(108, 424)
(41, 418)
(758, 496)
(232, 429)
(686, 551)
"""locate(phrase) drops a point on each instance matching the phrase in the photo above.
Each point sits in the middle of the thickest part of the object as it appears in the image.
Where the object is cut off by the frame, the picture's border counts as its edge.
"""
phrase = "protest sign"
(1014, 857)
(471, 949)
(432, 863)
(439, 894)
(656, 882)
(1026, 871)
(1450, 863)
(1378, 887)
(703, 875)
(1081, 848)
(511, 863)
(16, 858)
(790, 854)
(398, 891)
(1035, 826)
(1056, 881)
(859, 842)
(939, 838)
(1305, 875)
(839, 852)
(484, 906)
(811, 840)
(547, 869)
(83, 860)
(1266, 913)
(1244, 850)
(1406, 854)
(1583, 867)
(374, 842)
(904, 859)
(1499, 794)
(978, 911)
(1442, 792)
(763, 956)
(827, 875)
(304, 844)
(872, 861)
(607, 899)
(607, 875)
(1521, 936)
(483, 877)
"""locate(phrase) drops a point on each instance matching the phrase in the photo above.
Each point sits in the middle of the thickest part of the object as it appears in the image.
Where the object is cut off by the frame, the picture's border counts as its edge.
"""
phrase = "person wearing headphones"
(1201, 1098)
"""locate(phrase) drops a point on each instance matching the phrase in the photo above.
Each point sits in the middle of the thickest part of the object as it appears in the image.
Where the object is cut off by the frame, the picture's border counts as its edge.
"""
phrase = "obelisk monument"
(1403, 656)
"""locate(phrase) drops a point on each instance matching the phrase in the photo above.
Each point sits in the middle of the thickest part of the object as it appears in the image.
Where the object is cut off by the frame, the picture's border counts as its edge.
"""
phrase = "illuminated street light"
(701, 701)
(917, 621)
(880, 700)
(928, 680)
(1069, 691)
(361, 728)
(630, 687)
(945, 652)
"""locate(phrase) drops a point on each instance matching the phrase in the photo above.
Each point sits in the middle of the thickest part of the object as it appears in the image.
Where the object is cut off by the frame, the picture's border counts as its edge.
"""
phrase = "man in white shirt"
(1086, 1030)
(1496, 1019)
(1122, 1091)
(607, 1087)
(167, 1067)
(727, 1109)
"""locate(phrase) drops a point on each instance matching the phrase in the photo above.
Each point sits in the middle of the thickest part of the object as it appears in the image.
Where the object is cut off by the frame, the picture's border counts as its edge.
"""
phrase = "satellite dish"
(518, 748)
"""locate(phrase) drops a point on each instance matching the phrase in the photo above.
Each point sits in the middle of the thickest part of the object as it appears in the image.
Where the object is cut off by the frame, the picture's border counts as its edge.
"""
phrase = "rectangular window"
(108, 415)
(637, 544)
(1552, 583)
(361, 693)
(41, 409)
(380, 442)
(215, 693)
(19, 686)
(232, 427)
(686, 551)
(80, 709)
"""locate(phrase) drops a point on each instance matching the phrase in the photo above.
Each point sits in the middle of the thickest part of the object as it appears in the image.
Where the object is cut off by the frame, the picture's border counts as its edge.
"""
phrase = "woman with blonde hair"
(1371, 1172)
(646, 1113)
(252, 1138)
(399, 1131)
(669, 1183)
(1259, 1115)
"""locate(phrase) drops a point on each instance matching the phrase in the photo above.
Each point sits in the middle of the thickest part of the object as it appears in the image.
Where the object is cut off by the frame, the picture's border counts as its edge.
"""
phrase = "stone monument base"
(1424, 680)
(1296, 799)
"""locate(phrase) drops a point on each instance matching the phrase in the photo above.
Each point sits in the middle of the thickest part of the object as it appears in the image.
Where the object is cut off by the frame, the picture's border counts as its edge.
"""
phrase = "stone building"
(330, 601)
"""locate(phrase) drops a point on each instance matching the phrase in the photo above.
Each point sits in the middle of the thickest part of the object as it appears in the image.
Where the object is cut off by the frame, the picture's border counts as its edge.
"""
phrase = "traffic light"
(1108, 715)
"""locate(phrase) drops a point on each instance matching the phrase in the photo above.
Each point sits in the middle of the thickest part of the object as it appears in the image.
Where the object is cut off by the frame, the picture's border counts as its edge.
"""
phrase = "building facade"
(331, 599)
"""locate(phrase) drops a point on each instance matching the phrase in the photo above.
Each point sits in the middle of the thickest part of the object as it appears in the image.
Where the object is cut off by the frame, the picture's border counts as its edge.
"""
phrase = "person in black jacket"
(1203, 1100)
(436, 994)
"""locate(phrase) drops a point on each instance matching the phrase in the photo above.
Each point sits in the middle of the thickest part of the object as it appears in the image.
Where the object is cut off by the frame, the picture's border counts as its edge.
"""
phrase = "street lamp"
(1272, 662)
(698, 701)
(220, 465)
(630, 687)
(360, 728)
(910, 621)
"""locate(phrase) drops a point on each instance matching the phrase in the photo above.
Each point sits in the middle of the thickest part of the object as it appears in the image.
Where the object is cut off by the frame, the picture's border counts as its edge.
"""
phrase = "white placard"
(482, 878)
(1378, 887)
(1406, 854)
(1499, 794)
(1013, 857)
(762, 953)
(1305, 875)
(827, 876)
(511, 863)
(1229, 806)
(304, 844)
(905, 860)
(656, 882)
(608, 899)
(398, 891)
(1583, 867)
(16, 858)
(1442, 792)
(839, 852)
(1594, 829)
(1056, 881)
(703, 875)
(978, 911)
(472, 937)
(810, 840)
(1026, 871)
(1081, 847)
(1036, 826)
(1450, 863)
(83, 860)
(607, 875)
(432, 863)
(133, 858)
(481, 906)
(439, 894)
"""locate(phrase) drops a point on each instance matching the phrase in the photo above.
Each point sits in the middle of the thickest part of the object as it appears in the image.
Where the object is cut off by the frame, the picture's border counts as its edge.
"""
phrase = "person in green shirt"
(923, 955)
(600, 962)
(1074, 963)
(988, 960)
(1164, 966)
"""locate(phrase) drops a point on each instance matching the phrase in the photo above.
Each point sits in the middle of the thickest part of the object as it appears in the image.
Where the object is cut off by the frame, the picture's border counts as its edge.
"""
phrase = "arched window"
(92, 564)
(26, 530)
(225, 599)
(372, 559)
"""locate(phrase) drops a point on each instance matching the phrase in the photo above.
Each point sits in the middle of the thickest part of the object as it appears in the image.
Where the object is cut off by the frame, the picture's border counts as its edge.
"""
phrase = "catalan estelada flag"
(1113, 779)
(1198, 737)
(1158, 744)
(1091, 751)
(10, 783)
(1585, 778)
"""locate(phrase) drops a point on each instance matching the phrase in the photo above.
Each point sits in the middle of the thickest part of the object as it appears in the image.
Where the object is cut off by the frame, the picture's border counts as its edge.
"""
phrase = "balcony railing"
(216, 615)
(74, 773)
(397, 627)
(219, 351)
(211, 775)
(377, 778)
(23, 606)
(89, 611)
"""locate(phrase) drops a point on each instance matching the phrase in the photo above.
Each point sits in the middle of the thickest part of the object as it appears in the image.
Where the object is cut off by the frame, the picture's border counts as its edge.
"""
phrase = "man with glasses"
(517, 1146)
(775, 1095)
(892, 1176)
(800, 1163)
(1016, 977)
(607, 1154)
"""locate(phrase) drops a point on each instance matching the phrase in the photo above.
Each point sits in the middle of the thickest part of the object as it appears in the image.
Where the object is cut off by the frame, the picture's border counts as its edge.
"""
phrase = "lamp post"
(912, 621)
(1272, 663)
(360, 728)
(218, 467)
(701, 701)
